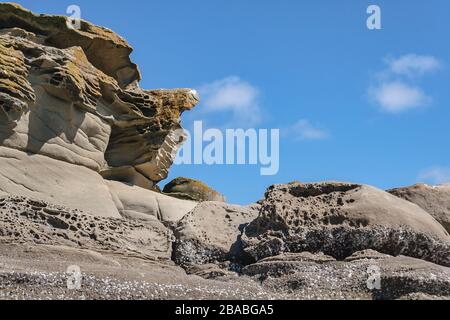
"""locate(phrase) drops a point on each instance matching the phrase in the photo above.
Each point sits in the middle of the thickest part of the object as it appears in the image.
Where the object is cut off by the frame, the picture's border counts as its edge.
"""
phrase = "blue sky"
(369, 106)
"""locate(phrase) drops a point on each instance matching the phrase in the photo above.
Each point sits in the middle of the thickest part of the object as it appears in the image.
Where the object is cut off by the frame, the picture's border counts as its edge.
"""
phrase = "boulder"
(211, 233)
(139, 203)
(185, 188)
(339, 219)
(433, 199)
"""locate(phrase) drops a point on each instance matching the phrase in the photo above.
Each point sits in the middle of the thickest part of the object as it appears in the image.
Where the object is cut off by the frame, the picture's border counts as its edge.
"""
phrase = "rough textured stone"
(284, 263)
(340, 219)
(149, 145)
(315, 276)
(211, 232)
(73, 95)
(210, 271)
(366, 254)
(106, 50)
(433, 199)
(39, 272)
(24, 220)
(82, 148)
(190, 189)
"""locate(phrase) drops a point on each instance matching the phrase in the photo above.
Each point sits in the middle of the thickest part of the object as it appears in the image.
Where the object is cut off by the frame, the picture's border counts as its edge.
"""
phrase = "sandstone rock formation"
(339, 219)
(433, 199)
(24, 220)
(315, 276)
(190, 189)
(82, 148)
(139, 203)
(58, 182)
(73, 95)
(71, 114)
(211, 233)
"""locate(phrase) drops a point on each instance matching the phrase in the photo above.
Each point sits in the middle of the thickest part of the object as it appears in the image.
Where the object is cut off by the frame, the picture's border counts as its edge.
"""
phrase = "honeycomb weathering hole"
(314, 190)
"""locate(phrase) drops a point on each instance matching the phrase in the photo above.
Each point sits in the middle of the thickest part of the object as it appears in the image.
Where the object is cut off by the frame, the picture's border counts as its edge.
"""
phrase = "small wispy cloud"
(233, 95)
(435, 175)
(395, 97)
(414, 65)
(304, 130)
(394, 90)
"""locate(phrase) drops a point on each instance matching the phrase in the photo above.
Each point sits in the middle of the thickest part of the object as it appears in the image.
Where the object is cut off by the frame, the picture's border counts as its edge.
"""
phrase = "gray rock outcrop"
(433, 199)
(339, 219)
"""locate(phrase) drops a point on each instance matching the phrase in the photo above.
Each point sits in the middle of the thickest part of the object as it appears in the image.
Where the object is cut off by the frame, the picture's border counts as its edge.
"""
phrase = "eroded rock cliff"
(82, 148)
(73, 96)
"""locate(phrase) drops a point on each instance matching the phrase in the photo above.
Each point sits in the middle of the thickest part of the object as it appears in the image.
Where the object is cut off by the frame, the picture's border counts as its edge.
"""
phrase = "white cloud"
(304, 130)
(414, 65)
(394, 90)
(435, 175)
(395, 97)
(233, 95)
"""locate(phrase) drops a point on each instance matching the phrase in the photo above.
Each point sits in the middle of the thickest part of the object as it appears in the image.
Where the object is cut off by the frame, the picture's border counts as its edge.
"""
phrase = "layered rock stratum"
(82, 149)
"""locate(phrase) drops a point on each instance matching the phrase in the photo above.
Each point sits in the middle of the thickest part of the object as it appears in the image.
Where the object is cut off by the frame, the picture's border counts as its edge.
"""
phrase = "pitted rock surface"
(340, 219)
(82, 148)
(24, 220)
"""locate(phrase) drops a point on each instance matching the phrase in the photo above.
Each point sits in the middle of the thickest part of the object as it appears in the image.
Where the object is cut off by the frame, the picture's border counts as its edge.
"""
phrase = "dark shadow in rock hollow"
(6, 128)
(237, 253)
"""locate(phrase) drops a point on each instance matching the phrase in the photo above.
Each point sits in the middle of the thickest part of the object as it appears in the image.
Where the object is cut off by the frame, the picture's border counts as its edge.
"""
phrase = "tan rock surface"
(40, 272)
(315, 276)
(136, 202)
(58, 182)
(433, 199)
(211, 232)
